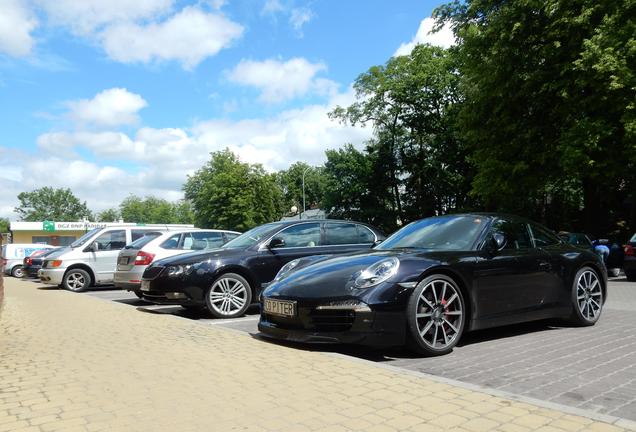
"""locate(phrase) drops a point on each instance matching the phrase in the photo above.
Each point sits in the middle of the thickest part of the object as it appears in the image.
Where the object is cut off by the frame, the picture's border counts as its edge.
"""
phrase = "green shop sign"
(48, 226)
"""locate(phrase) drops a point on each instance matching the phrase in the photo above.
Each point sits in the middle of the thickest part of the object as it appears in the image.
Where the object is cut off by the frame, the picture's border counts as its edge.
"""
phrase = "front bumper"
(52, 276)
(360, 326)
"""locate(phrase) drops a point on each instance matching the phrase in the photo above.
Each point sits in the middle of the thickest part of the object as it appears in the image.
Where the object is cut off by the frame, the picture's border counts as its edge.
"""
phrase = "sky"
(118, 97)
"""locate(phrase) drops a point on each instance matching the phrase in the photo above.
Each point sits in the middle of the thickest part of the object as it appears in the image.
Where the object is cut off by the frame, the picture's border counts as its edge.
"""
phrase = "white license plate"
(122, 260)
(284, 308)
(145, 285)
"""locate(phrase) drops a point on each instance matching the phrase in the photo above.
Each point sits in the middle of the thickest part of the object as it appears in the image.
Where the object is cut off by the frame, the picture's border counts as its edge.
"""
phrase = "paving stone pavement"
(75, 363)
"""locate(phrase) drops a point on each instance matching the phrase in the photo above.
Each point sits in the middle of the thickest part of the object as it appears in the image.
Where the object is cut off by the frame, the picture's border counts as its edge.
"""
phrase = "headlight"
(178, 270)
(286, 269)
(377, 273)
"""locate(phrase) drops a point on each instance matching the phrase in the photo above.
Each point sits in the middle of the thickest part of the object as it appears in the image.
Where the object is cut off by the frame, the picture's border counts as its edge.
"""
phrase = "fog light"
(355, 305)
(175, 295)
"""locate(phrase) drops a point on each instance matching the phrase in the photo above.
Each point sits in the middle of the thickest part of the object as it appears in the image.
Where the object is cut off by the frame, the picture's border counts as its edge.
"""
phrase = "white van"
(92, 259)
(13, 255)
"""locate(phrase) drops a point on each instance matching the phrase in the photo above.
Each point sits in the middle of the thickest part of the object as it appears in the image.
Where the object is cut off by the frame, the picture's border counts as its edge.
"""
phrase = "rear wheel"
(229, 296)
(76, 280)
(587, 297)
(17, 272)
(436, 315)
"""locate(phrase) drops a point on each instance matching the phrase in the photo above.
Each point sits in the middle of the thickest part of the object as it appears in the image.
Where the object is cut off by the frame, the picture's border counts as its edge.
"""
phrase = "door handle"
(545, 266)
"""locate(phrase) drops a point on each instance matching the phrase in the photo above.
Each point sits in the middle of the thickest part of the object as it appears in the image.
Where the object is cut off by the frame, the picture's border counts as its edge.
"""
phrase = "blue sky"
(111, 97)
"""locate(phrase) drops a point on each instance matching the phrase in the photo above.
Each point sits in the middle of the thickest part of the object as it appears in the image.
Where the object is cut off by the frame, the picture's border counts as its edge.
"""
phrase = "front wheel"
(435, 315)
(76, 280)
(587, 297)
(229, 296)
(17, 272)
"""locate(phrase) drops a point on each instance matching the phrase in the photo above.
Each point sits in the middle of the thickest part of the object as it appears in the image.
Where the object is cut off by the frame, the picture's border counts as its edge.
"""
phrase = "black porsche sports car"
(226, 280)
(433, 280)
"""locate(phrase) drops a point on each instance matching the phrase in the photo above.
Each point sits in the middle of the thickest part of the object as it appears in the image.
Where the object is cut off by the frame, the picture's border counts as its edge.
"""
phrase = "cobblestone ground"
(74, 363)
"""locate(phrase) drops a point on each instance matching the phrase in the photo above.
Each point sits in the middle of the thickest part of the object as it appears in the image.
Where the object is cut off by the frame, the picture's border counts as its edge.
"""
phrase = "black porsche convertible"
(431, 281)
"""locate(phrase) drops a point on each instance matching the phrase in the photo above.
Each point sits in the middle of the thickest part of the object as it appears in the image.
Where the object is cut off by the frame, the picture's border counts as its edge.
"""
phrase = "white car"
(13, 255)
(92, 259)
(134, 258)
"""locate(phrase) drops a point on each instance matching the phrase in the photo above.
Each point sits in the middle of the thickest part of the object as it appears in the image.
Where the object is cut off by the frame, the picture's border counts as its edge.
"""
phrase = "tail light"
(28, 261)
(144, 258)
(629, 250)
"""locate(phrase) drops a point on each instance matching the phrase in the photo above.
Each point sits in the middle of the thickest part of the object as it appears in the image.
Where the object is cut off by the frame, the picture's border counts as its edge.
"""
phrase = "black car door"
(296, 241)
(512, 279)
(556, 291)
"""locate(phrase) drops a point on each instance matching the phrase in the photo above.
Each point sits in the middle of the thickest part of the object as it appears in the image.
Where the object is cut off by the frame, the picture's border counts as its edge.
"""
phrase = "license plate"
(284, 308)
(145, 285)
(122, 260)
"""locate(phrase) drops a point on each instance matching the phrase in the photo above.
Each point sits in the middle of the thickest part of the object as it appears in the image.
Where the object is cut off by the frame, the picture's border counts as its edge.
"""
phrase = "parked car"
(226, 280)
(135, 257)
(13, 255)
(433, 280)
(629, 260)
(610, 252)
(92, 259)
(32, 264)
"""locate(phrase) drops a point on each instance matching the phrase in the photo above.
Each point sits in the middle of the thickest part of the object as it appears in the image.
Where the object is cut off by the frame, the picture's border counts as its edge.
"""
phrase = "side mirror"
(276, 243)
(495, 243)
(93, 247)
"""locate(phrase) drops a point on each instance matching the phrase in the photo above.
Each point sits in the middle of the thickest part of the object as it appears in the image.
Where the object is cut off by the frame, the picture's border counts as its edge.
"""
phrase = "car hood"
(335, 276)
(58, 253)
(199, 256)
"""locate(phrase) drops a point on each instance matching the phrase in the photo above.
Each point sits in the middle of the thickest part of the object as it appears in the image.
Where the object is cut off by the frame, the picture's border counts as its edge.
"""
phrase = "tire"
(587, 297)
(436, 310)
(229, 296)
(17, 272)
(630, 275)
(76, 280)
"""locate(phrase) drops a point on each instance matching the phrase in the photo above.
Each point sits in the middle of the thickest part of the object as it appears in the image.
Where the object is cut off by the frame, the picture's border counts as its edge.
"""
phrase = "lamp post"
(304, 172)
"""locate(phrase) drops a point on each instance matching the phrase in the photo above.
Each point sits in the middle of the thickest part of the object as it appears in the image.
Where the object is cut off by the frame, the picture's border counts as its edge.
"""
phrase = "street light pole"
(304, 172)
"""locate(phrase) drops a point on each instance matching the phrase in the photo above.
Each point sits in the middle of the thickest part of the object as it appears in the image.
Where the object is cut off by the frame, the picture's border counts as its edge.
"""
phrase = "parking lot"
(591, 368)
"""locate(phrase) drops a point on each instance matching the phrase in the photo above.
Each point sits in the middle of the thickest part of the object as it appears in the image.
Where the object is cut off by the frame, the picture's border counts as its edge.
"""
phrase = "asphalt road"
(592, 368)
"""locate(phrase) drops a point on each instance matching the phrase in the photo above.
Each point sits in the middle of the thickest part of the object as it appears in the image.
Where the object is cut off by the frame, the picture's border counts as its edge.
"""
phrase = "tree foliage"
(108, 215)
(227, 193)
(4, 225)
(291, 183)
(154, 210)
(549, 111)
(48, 203)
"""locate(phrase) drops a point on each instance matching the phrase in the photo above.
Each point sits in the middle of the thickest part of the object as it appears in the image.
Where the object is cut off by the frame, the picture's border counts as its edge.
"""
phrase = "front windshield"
(633, 239)
(438, 233)
(83, 239)
(250, 237)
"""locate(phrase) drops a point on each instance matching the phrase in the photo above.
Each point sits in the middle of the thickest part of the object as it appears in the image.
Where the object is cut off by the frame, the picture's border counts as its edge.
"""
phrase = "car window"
(171, 242)
(138, 233)
(209, 239)
(347, 233)
(144, 240)
(544, 237)
(111, 240)
(303, 235)
(230, 236)
(516, 234)
(633, 239)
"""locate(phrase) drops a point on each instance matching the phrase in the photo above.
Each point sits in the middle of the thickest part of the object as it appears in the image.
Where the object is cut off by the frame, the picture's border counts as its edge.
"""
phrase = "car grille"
(332, 320)
(152, 272)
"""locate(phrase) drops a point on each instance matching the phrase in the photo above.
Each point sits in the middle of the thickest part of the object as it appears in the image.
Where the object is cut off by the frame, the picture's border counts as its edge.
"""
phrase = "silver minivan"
(13, 254)
(92, 259)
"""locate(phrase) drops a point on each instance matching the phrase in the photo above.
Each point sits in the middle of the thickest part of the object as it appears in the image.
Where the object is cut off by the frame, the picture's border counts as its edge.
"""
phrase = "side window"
(137, 233)
(516, 233)
(346, 233)
(303, 235)
(112, 240)
(207, 240)
(230, 236)
(543, 237)
(171, 242)
(187, 242)
(365, 235)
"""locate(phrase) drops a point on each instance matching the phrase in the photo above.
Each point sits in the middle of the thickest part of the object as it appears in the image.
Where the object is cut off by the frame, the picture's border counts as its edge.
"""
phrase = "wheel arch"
(463, 287)
(82, 267)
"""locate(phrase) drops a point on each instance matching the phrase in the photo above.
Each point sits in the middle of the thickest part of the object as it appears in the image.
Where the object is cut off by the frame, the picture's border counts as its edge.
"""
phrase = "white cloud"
(279, 81)
(443, 38)
(187, 37)
(112, 107)
(16, 25)
(272, 6)
(84, 17)
(300, 17)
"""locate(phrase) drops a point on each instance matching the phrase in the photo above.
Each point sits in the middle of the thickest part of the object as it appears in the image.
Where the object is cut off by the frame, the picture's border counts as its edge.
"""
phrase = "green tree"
(4, 225)
(51, 204)
(291, 182)
(227, 193)
(109, 215)
(549, 109)
(154, 210)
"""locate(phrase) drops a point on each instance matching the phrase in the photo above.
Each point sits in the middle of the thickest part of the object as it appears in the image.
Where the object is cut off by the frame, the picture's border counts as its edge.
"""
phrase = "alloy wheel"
(228, 296)
(439, 314)
(75, 281)
(589, 295)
